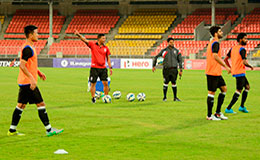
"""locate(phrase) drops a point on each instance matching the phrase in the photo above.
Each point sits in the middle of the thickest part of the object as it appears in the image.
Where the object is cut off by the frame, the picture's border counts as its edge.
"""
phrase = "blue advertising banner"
(80, 63)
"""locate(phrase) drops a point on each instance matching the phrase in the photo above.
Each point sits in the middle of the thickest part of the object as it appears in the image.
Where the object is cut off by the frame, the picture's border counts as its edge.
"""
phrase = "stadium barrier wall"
(79, 63)
(116, 63)
(15, 62)
(136, 63)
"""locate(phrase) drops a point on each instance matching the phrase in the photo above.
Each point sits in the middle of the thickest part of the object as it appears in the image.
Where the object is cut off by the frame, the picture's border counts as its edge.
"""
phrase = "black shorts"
(241, 82)
(170, 74)
(27, 95)
(215, 82)
(98, 72)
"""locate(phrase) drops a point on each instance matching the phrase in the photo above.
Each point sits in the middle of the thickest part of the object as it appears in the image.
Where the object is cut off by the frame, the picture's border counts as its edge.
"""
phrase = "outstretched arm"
(81, 37)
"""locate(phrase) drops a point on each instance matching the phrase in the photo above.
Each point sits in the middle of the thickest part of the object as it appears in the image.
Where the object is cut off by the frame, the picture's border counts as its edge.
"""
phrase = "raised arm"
(81, 37)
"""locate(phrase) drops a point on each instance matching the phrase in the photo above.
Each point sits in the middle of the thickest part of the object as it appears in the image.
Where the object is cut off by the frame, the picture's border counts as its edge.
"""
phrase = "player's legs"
(104, 78)
(240, 84)
(242, 108)
(245, 92)
(173, 79)
(93, 79)
(223, 88)
(50, 131)
(106, 88)
(16, 118)
(221, 98)
(166, 79)
(212, 82)
(92, 89)
(23, 99)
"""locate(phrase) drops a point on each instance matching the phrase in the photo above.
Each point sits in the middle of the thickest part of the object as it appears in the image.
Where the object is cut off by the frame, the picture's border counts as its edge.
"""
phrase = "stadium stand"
(129, 47)
(248, 36)
(39, 18)
(93, 21)
(187, 37)
(185, 47)
(188, 25)
(249, 24)
(13, 47)
(22, 36)
(86, 36)
(69, 47)
(149, 21)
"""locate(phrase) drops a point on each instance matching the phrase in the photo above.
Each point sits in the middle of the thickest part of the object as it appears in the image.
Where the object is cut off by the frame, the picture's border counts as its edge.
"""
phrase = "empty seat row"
(22, 36)
(128, 47)
(249, 24)
(138, 36)
(185, 47)
(85, 21)
(70, 47)
(13, 47)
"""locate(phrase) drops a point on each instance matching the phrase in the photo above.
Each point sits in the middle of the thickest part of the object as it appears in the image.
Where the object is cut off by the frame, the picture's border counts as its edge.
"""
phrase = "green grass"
(123, 130)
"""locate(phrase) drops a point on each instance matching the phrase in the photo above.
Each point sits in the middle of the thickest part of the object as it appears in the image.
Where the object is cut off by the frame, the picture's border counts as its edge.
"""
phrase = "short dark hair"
(240, 36)
(29, 29)
(213, 30)
(169, 39)
(100, 35)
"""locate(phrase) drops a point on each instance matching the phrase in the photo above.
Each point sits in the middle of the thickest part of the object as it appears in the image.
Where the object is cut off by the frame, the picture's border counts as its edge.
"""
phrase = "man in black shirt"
(172, 59)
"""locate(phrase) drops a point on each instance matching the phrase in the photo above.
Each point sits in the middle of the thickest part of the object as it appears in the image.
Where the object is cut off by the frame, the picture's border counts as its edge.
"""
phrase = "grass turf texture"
(152, 129)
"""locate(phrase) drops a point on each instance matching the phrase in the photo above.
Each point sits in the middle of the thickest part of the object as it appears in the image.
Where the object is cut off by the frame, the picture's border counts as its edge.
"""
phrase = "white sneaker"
(221, 116)
(213, 118)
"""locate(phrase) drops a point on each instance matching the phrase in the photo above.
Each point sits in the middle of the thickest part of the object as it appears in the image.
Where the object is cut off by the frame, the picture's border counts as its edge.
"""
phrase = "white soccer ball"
(130, 97)
(107, 99)
(97, 94)
(159, 60)
(141, 97)
(117, 94)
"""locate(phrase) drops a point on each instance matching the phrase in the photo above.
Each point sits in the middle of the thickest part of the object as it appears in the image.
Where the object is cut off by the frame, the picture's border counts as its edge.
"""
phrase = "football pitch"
(124, 130)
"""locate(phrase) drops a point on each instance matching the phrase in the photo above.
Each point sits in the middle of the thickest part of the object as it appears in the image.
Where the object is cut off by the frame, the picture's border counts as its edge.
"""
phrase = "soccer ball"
(130, 97)
(141, 97)
(160, 61)
(106, 99)
(97, 94)
(117, 94)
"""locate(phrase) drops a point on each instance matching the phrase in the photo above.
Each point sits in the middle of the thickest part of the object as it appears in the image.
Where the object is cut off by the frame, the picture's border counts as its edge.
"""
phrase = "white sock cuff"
(174, 85)
(211, 95)
(40, 108)
(165, 85)
(19, 108)
(224, 93)
(246, 90)
(13, 127)
(48, 127)
(237, 92)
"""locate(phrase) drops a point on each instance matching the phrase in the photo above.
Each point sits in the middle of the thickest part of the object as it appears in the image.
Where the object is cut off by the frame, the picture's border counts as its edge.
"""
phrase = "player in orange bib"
(238, 69)
(213, 73)
(27, 81)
